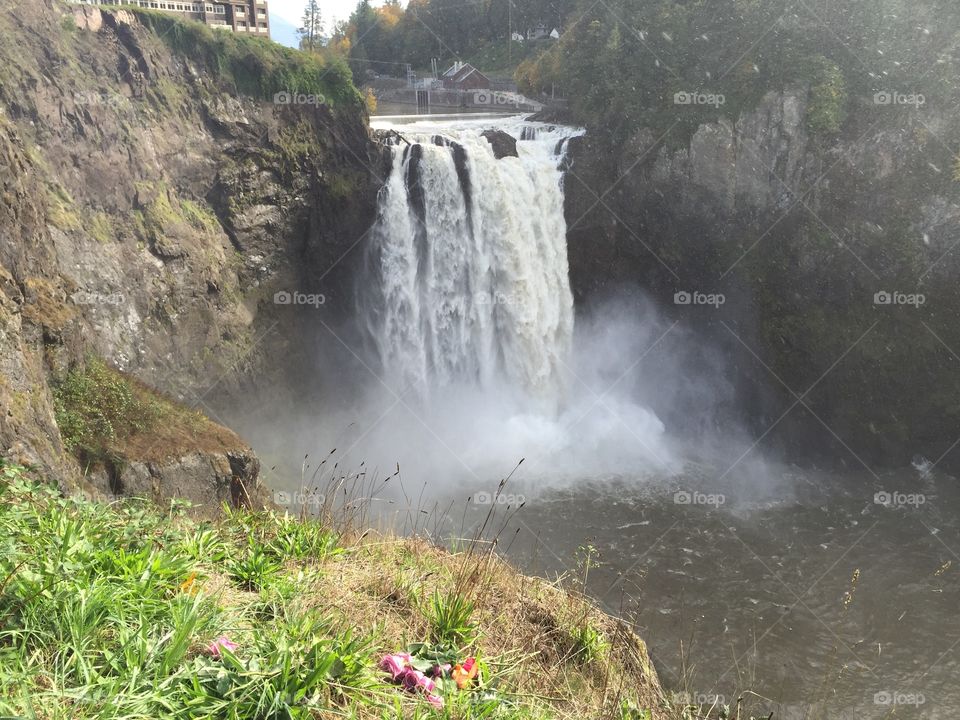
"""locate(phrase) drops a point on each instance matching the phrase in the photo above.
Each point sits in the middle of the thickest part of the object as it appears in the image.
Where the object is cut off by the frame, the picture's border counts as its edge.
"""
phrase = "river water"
(821, 594)
(837, 599)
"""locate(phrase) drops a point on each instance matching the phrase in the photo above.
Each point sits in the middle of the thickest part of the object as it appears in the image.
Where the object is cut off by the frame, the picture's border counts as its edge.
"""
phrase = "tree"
(312, 29)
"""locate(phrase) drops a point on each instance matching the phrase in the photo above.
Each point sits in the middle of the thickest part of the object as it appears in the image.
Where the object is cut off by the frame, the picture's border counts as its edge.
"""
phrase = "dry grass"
(527, 626)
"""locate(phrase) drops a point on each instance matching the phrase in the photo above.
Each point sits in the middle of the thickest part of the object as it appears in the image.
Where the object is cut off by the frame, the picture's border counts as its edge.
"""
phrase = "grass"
(109, 611)
(450, 620)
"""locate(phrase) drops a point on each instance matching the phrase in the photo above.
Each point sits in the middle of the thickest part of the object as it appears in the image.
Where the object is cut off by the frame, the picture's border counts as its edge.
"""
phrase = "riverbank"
(132, 610)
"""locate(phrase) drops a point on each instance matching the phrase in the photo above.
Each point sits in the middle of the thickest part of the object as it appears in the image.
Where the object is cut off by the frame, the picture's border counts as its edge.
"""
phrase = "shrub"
(96, 406)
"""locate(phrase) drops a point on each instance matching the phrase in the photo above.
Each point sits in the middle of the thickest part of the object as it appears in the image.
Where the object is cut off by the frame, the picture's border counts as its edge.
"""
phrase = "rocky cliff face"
(809, 238)
(154, 218)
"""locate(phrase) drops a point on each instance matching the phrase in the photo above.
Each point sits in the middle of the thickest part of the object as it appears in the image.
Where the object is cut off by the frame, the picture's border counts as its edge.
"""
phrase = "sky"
(332, 10)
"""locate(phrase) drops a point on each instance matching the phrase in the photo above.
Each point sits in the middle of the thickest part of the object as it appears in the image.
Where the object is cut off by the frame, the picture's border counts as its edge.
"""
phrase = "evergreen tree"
(312, 29)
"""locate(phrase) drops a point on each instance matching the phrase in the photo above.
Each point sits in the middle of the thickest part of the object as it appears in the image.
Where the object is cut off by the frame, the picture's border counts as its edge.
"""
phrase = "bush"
(96, 406)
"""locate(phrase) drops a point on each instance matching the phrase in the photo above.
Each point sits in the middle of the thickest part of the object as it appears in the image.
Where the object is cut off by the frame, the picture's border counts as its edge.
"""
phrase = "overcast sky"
(332, 10)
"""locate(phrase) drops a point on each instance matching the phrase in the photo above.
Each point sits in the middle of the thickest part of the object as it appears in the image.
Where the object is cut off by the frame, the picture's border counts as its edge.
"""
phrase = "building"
(242, 16)
(464, 76)
(540, 32)
(537, 33)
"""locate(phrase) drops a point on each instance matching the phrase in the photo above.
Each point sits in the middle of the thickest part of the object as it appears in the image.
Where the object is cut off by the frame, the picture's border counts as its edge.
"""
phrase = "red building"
(464, 76)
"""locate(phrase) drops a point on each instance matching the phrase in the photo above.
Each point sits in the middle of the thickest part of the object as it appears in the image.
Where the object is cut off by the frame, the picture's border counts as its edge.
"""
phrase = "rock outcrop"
(153, 217)
(801, 233)
(503, 143)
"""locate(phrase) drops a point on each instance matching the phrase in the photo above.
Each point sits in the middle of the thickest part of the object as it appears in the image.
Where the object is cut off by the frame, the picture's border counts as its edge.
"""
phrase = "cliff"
(814, 240)
(163, 209)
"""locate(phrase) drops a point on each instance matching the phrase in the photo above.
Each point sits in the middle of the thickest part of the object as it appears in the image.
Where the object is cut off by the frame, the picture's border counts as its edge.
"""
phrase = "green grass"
(109, 611)
(107, 417)
(103, 615)
(450, 620)
(589, 643)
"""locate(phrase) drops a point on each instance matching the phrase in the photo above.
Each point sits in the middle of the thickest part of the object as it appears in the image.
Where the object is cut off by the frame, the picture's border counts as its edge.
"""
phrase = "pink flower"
(441, 670)
(414, 681)
(400, 668)
(221, 643)
(396, 665)
(427, 685)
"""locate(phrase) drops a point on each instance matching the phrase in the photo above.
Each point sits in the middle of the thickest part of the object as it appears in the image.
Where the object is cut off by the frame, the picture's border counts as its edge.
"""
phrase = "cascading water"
(469, 261)
(466, 301)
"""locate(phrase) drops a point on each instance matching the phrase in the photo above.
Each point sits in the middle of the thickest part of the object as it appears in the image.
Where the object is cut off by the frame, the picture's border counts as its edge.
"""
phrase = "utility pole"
(510, 32)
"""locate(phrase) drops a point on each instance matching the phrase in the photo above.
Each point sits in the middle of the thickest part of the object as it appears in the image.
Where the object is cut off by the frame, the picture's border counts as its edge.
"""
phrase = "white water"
(477, 362)
(478, 292)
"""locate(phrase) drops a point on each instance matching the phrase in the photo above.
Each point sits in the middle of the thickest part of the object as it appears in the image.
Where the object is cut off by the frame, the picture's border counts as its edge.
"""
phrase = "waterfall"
(468, 262)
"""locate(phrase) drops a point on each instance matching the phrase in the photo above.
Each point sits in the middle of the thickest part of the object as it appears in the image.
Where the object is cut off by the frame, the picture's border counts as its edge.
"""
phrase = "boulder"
(504, 144)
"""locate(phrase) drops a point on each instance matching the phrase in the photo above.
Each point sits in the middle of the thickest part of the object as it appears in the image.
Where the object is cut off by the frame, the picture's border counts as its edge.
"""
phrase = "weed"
(301, 540)
(254, 567)
(589, 643)
(450, 620)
